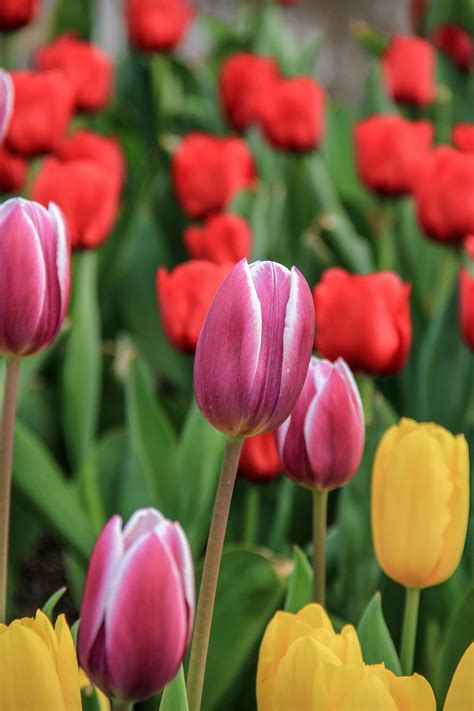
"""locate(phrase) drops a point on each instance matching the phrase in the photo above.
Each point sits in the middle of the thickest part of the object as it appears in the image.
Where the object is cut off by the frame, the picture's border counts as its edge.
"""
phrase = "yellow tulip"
(38, 666)
(305, 666)
(420, 502)
(460, 695)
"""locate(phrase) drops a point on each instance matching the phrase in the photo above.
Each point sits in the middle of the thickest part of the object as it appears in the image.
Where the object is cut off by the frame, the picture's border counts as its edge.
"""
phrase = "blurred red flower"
(389, 152)
(456, 43)
(466, 306)
(242, 78)
(408, 66)
(157, 25)
(85, 194)
(184, 296)
(259, 459)
(42, 110)
(88, 68)
(417, 11)
(17, 13)
(12, 170)
(224, 238)
(291, 113)
(103, 150)
(444, 195)
(463, 137)
(209, 170)
(363, 318)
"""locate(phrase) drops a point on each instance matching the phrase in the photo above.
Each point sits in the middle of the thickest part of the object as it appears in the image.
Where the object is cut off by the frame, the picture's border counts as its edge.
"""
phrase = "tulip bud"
(420, 502)
(322, 441)
(6, 102)
(138, 606)
(254, 348)
(463, 137)
(408, 67)
(259, 460)
(460, 693)
(34, 276)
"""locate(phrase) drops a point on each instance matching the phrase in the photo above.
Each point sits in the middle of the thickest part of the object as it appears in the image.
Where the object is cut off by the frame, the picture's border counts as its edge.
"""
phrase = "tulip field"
(236, 361)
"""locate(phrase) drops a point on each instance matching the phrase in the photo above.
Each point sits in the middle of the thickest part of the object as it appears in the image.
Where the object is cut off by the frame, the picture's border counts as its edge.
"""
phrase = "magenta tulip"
(34, 275)
(322, 441)
(6, 102)
(254, 348)
(138, 606)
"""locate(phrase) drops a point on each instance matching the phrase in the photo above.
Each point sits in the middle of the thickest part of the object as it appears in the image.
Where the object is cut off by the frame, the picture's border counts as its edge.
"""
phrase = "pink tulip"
(6, 102)
(34, 275)
(254, 348)
(138, 606)
(322, 441)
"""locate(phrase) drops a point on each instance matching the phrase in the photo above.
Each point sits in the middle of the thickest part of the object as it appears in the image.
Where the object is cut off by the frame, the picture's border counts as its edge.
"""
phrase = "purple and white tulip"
(254, 348)
(138, 606)
(6, 102)
(321, 443)
(35, 275)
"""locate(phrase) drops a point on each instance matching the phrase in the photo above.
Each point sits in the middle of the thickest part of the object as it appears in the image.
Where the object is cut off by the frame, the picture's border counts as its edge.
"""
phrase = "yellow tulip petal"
(41, 626)
(272, 649)
(315, 616)
(28, 679)
(67, 666)
(460, 695)
(370, 694)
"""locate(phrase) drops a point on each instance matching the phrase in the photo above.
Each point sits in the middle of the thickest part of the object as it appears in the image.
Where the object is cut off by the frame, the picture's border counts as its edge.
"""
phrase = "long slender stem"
(410, 622)
(210, 574)
(320, 509)
(251, 513)
(116, 705)
(6, 452)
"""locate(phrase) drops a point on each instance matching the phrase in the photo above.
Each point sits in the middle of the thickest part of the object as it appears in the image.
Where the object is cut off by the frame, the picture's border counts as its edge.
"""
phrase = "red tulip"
(463, 137)
(184, 296)
(88, 68)
(364, 319)
(243, 76)
(389, 152)
(456, 43)
(17, 13)
(42, 110)
(86, 195)
(12, 171)
(224, 238)
(466, 306)
(259, 460)
(444, 195)
(157, 25)
(409, 69)
(291, 113)
(208, 171)
(103, 150)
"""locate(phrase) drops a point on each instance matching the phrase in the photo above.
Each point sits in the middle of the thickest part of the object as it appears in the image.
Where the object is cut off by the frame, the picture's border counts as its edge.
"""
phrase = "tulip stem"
(251, 513)
(210, 573)
(6, 453)
(410, 622)
(320, 512)
(116, 705)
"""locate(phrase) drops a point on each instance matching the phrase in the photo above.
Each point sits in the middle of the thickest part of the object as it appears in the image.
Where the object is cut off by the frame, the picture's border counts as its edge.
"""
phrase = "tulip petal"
(67, 667)
(142, 522)
(63, 257)
(6, 102)
(411, 693)
(461, 690)
(147, 585)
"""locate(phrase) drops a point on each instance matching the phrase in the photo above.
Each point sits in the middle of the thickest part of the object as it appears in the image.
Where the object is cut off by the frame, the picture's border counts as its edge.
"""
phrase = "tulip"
(38, 666)
(466, 307)
(87, 67)
(138, 606)
(17, 13)
(463, 137)
(104, 150)
(461, 692)
(259, 460)
(225, 238)
(157, 25)
(6, 102)
(12, 170)
(408, 66)
(457, 44)
(254, 348)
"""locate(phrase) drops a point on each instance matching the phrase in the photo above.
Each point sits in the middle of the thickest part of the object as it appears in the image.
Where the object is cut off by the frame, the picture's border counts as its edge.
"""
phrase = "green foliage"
(174, 695)
(375, 640)
(299, 591)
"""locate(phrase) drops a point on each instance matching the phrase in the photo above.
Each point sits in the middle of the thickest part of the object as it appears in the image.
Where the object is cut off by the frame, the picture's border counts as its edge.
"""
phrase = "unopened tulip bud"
(6, 102)
(322, 441)
(254, 348)
(34, 276)
(138, 606)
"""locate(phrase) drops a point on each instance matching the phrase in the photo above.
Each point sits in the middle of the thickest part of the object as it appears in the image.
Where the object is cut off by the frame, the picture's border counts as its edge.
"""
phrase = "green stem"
(6, 454)
(320, 509)
(251, 513)
(116, 705)
(410, 621)
(210, 573)
(282, 518)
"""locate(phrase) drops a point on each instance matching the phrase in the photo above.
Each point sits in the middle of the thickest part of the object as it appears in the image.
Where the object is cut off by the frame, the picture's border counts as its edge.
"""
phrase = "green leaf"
(300, 586)
(174, 695)
(41, 483)
(374, 636)
(82, 363)
(52, 601)
(458, 637)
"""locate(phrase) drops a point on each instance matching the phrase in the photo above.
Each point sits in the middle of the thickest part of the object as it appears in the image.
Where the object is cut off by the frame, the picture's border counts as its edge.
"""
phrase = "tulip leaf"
(82, 363)
(300, 585)
(174, 695)
(52, 601)
(374, 636)
(458, 636)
